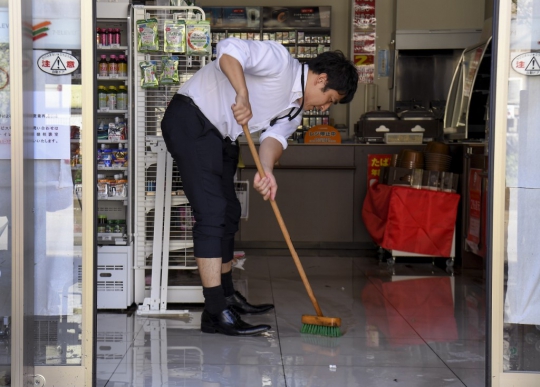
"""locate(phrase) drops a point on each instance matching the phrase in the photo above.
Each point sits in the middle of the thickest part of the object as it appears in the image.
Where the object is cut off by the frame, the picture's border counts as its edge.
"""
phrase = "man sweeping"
(256, 83)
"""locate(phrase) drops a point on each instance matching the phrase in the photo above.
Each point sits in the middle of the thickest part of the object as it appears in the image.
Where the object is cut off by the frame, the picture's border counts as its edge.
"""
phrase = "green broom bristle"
(321, 330)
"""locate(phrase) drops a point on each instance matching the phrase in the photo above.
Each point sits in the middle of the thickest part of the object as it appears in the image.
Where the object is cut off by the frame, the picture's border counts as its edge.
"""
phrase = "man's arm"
(235, 74)
(270, 151)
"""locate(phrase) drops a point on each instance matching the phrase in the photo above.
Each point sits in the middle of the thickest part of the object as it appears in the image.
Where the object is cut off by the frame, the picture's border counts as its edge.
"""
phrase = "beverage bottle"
(116, 36)
(104, 36)
(122, 66)
(103, 66)
(98, 36)
(111, 36)
(111, 98)
(113, 66)
(102, 97)
(121, 98)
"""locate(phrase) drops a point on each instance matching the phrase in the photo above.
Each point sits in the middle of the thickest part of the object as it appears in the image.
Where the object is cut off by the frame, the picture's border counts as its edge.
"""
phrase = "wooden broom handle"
(282, 225)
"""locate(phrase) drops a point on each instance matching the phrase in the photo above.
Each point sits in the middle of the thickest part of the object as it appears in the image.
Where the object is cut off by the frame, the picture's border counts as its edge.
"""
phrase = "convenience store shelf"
(112, 48)
(111, 78)
(107, 111)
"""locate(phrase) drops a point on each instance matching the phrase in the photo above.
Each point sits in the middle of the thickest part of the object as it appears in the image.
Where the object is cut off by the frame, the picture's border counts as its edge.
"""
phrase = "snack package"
(169, 74)
(147, 35)
(103, 131)
(121, 157)
(102, 189)
(117, 131)
(174, 33)
(148, 74)
(198, 37)
(107, 158)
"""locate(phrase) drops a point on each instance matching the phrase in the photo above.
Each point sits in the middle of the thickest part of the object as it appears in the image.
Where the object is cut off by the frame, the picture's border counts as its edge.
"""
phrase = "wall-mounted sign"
(296, 17)
(364, 14)
(527, 63)
(58, 63)
(237, 17)
(323, 135)
(365, 64)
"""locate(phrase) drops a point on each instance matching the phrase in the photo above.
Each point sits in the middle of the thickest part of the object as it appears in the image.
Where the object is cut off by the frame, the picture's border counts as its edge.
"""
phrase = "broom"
(319, 324)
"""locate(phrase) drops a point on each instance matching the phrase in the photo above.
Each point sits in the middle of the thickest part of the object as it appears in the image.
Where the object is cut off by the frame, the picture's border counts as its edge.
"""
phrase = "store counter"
(320, 196)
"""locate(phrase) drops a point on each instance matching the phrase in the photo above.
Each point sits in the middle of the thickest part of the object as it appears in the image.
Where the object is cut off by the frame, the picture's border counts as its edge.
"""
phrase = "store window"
(522, 261)
(58, 200)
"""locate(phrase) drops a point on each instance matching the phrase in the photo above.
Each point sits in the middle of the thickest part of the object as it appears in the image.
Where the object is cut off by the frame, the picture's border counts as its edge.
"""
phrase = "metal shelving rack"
(162, 217)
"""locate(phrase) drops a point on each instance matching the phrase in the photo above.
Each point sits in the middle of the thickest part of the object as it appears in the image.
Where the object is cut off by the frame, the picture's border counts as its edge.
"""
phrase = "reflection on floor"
(410, 324)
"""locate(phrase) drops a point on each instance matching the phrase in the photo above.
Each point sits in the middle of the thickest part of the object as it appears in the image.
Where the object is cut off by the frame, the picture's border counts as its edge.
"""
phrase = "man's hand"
(242, 109)
(266, 186)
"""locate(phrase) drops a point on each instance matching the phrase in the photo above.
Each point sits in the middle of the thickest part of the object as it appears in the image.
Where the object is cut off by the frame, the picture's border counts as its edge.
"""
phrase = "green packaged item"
(174, 33)
(198, 37)
(148, 74)
(147, 35)
(169, 74)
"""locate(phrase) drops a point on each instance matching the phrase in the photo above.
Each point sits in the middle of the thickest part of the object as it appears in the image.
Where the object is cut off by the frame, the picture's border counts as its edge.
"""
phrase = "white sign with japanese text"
(52, 113)
(527, 63)
(58, 63)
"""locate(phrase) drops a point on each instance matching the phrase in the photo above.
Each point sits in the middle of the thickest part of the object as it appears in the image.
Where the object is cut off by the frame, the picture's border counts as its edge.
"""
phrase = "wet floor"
(410, 324)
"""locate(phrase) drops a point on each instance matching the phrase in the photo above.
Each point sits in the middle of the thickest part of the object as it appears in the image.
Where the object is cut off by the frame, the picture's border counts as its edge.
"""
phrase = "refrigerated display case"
(114, 146)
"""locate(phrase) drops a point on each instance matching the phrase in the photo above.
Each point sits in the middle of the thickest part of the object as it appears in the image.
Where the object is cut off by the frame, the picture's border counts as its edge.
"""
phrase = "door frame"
(23, 370)
(496, 217)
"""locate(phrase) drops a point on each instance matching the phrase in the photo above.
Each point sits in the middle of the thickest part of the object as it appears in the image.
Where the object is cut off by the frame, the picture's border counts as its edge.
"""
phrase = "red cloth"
(413, 220)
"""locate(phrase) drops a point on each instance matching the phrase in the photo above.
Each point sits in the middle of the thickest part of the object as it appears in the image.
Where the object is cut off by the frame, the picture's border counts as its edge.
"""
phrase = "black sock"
(227, 284)
(214, 300)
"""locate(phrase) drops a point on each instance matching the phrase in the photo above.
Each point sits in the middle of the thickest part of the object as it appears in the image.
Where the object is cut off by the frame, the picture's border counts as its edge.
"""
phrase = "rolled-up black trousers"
(207, 164)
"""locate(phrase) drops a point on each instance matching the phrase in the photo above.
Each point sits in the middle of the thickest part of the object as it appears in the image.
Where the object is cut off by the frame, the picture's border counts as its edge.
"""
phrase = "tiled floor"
(411, 324)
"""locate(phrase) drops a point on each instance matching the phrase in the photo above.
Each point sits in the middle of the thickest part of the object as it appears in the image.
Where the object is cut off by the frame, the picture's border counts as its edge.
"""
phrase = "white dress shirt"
(273, 81)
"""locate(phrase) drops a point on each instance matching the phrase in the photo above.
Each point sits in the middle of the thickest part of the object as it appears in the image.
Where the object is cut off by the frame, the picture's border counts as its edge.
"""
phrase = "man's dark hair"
(341, 72)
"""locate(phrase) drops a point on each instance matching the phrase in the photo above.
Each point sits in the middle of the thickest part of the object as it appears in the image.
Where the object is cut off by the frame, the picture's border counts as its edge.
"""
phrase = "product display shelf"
(111, 78)
(163, 259)
(112, 111)
(115, 250)
(106, 115)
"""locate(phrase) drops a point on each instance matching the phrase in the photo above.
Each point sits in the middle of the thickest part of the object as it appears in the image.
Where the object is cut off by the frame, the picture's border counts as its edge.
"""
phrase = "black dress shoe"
(239, 304)
(229, 323)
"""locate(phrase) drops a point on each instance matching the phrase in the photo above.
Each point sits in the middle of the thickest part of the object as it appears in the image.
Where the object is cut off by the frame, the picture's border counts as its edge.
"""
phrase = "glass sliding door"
(52, 192)
(5, 199)
(515, 328)
(17, 148)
